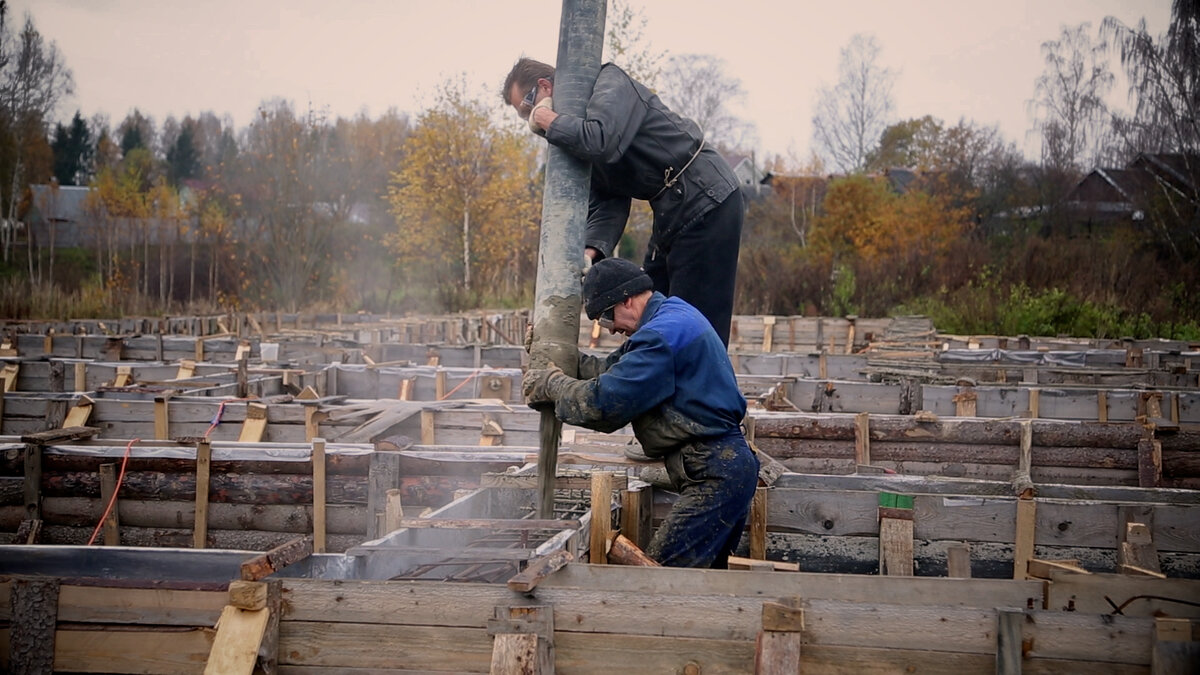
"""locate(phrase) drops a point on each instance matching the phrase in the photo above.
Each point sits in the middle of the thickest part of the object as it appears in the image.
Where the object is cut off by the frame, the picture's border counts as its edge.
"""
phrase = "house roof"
(62, 204)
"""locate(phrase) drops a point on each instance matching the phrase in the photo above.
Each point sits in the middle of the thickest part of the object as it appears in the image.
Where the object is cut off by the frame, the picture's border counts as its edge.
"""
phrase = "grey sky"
(956, 58)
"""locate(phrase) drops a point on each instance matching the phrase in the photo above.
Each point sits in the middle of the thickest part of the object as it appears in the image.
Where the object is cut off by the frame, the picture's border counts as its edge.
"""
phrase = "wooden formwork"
(589, 619)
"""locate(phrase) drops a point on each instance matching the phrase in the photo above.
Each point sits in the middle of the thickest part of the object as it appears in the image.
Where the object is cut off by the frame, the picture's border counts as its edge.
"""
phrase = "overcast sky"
(956, 58)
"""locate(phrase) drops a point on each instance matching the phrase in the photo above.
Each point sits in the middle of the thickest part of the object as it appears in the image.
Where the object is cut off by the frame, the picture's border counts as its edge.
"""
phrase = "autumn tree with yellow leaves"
(467, 204)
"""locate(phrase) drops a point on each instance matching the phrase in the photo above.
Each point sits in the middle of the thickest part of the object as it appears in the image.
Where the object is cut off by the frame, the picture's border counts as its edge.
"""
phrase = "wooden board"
(165, 607)
(239, 634)
(149, 650)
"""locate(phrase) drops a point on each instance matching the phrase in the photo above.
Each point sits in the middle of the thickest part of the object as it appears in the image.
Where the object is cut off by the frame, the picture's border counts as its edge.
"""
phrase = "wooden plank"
(153, 606)
(147, 650)
(1041, 569)
(1008, 641)
(255, 424)
(665, 581)
(203, 467)
(1136, 596)
(81, 376)
(1149, 463)
(319, 497)
(428, 434)
(528, 579)
(326, 645)
(33, 481)
(777, 652)
(108, 492)
(235, 647)
(1024, 536)
(276, 559)
(79, 413)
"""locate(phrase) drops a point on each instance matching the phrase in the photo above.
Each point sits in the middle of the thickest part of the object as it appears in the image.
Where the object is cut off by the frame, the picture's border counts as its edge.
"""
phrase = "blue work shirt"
(673, 368)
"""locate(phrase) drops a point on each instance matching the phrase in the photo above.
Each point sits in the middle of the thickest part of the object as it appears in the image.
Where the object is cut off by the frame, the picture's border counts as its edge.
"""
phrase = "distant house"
(750, 178)
(58, 215)
(1109, 196)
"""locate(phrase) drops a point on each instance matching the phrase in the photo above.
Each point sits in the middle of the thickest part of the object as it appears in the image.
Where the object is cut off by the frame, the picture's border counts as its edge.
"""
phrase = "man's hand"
(541, 385)
(541, 116)
(528, 338)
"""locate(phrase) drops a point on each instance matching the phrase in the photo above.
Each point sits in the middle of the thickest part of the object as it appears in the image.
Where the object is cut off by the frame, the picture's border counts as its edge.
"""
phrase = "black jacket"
(632, 139)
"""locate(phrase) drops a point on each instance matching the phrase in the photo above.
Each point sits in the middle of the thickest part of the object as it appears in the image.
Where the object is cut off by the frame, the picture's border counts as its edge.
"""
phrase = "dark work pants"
(716, 479)
(700, 266)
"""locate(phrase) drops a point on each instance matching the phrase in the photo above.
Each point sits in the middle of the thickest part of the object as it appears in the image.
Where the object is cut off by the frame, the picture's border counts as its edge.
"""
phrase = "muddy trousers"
(716, 479)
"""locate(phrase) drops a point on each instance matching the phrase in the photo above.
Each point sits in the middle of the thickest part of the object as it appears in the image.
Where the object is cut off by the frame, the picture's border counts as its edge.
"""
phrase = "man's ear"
(545, 85)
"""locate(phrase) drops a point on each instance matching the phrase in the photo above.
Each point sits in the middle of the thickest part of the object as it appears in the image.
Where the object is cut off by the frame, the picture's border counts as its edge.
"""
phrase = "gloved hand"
(533, 126)
(529, 338)
(541, 386)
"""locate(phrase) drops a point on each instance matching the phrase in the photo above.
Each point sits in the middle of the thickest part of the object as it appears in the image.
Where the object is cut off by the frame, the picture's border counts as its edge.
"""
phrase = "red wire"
(113, 500)
(460, 384)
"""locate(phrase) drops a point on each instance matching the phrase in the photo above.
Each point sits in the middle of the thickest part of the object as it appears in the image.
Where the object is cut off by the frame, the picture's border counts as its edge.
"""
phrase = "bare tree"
(696, 86)
(851, 116)
(625, 44)
(1068, 103)
(33, 79)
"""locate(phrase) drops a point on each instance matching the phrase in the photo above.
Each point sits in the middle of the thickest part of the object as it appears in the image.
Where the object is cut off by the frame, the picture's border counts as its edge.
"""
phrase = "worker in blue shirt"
(672, 379)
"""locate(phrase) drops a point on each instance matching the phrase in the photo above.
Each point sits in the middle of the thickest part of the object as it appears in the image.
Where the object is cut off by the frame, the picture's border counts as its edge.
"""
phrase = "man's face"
(624, 318)
(524, 98)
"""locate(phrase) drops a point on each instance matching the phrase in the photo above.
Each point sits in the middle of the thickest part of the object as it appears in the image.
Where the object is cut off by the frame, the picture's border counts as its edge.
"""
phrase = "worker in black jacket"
(639, 149)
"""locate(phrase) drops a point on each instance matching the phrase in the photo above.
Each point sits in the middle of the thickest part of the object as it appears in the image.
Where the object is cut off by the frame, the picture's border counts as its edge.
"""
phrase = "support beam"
(601, 526)
(319, 501)
(203, 467)
(108, 491)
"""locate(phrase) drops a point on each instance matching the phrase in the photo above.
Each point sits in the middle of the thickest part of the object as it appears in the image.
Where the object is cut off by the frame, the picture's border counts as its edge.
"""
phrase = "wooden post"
(964, 402)
(203, 466)
(758, 524)
(862, 439)
(1149, 462)
(427, 427)
(768, 334)
(895, 534)
(1023, 538)
(81, 376)
(108, 488)
(33, 481)
(523, 640)
(318, 471)
(439, 384)
(393, 511)
(162, 423)
(1035, 402)
(601, 517)
(636, 513)
(1176, 650)
(777, 648)
(958, 560)
(383, 475)
(1102, 406)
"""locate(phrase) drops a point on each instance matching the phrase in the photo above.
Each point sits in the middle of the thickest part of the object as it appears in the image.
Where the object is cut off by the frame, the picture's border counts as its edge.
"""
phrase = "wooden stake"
(758, 524)
(318, 471)
(81, 376)
(1035, 402)
(601, 517)
(79, 414)
(1138, 549)
(1023, 539)
(637, 505)
(108, 487)
(203, 466)
(1008, 641)
(862, 438)
(427, 427)
(162, 423)
(768, 333)
(1149, 462)
(235, 646)
(895, 534)
(958, 560)
(1102, 406)
(255, 424)
(393, 511)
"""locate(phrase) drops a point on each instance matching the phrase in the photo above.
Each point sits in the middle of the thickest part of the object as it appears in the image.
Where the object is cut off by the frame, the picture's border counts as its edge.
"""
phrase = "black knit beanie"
(610, 281)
